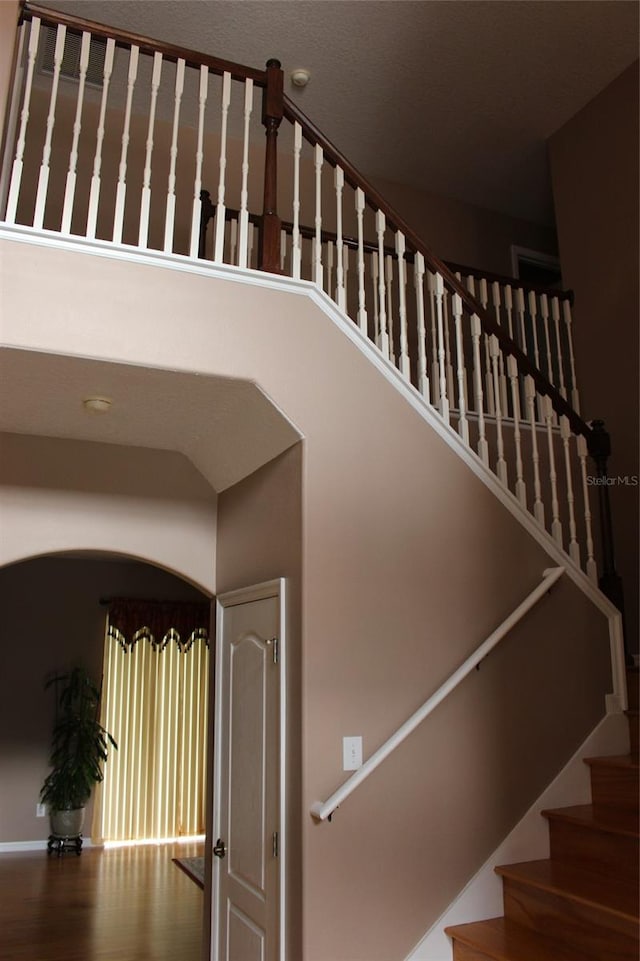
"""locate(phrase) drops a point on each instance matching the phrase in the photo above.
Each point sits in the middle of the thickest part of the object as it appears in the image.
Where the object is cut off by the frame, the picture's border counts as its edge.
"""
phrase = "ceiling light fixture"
(97, 405)
(300, 77)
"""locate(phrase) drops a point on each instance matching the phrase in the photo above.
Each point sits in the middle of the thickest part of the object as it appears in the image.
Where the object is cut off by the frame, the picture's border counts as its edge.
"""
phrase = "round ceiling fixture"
(97, 405)
(300, 77)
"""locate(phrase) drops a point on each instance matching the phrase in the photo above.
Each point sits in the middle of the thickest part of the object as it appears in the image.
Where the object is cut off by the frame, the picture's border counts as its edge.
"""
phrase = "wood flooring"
(122, 904)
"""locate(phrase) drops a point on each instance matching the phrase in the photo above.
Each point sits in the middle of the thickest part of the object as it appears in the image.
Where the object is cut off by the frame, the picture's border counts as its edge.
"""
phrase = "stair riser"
(593, 850)
(595, 931)
(615, 787)
(462, 952)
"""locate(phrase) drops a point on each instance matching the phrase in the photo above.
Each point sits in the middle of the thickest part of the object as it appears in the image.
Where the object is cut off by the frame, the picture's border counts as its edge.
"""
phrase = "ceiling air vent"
(71, 58)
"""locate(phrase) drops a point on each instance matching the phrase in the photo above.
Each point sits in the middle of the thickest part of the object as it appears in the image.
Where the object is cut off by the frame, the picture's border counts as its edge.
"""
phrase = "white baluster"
(388, 273)
(555, 314)
(329, 262)
(405, 366)
(530, 395)
(442, 357)
(501, 465)
(171, 186)
(497, 304)
(574, 548)
(218, 253)
(121, 189)
(591, 568)
(556, 526)
(197, 185)
(575, 398)
(533, 316)
(244, 190)
(522, 330)
(488, 376)
(318, 157)
(383, 343)
(296, 252)
(145, 202)
(250, 245)
(423, 376)
(94, 192)
(362, 311)
(283, 249)
(70, 187)
(12, 112)
(435, 371)
(447, 347)
(544, 312)
(521, 488)
(508, 306)
(375, 281)
(16, 170)
(233, 242)
(476, 330)
(43, 179)
(345, 272)
(463, 425)
(339, 185)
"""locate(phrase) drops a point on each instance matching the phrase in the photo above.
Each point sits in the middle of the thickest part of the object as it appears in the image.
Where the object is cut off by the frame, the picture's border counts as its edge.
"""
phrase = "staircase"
(582, 903)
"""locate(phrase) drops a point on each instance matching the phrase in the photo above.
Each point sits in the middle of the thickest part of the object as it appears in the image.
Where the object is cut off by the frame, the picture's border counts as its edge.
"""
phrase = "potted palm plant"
(79, 748)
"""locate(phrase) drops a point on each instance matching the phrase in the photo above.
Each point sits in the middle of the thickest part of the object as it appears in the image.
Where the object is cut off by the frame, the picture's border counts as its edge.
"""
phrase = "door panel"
(246, 887)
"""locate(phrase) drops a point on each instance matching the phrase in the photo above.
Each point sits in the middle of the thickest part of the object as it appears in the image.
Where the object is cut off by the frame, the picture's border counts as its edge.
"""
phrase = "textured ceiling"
(455, 97)
(227, 428)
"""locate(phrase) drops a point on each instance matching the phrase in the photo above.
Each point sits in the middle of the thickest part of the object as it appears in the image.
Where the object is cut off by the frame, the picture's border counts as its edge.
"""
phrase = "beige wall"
(52, 619)
(260, 538)
(594, 165)
(408, 562)
(465, 233)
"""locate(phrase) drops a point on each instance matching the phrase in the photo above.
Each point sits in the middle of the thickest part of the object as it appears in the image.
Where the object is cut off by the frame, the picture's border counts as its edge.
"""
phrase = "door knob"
(219, 848)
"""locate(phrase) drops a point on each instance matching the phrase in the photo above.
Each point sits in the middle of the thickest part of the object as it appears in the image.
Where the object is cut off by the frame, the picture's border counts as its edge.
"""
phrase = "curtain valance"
(159, 622)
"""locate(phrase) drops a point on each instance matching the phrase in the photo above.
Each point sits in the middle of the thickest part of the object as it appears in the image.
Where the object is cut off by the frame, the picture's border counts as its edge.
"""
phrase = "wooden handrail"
(490, 326)
(147, 45)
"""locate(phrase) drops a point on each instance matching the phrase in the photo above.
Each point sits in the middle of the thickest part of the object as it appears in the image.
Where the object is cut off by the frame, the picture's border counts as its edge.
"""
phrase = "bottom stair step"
(501, 940)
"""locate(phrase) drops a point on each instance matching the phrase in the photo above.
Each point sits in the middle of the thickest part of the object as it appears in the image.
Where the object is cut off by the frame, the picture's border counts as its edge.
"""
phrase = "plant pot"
(67, 824)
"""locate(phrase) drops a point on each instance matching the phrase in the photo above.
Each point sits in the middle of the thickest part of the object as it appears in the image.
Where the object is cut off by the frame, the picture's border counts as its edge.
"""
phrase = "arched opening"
(52, 618)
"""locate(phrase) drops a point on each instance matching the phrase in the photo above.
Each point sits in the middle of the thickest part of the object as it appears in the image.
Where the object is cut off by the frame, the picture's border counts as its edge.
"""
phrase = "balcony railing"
(118, 138)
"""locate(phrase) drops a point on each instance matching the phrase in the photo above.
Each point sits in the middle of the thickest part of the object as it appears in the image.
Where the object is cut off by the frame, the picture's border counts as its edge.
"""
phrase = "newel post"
(272, 112)
(610, 582)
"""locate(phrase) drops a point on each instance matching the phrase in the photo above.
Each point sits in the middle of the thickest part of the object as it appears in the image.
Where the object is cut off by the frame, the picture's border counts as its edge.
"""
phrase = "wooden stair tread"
(622, 761)
(609, 894)
(503, 940)
(618, 821)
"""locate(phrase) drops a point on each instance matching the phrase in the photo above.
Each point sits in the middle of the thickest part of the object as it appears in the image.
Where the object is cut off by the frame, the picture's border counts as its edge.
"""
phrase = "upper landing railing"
(115, 137)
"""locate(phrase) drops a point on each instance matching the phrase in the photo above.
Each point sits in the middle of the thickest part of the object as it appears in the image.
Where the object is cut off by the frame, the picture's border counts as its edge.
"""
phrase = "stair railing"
(323, 810)
(111, 137)
(439, 333)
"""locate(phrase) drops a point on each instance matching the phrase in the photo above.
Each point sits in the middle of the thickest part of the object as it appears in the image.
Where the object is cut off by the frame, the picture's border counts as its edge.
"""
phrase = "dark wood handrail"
(125, 38)
(490, 326)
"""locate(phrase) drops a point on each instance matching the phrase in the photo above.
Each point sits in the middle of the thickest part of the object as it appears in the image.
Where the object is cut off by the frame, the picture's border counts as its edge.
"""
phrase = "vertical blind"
(154, 702)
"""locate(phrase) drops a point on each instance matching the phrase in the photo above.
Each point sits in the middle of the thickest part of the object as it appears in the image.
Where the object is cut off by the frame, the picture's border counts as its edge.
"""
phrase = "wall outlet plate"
(351, 753)
(41, 810)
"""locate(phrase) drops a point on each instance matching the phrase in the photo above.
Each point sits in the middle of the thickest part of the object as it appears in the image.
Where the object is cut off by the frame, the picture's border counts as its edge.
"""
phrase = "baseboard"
(528, 841)
(15, 847)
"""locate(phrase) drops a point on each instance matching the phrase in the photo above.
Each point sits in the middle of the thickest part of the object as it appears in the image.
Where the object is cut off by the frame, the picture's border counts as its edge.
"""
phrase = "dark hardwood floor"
(122, 904)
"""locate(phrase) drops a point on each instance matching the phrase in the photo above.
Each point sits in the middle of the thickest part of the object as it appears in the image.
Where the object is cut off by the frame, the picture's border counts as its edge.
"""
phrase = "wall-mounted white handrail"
(322, 811)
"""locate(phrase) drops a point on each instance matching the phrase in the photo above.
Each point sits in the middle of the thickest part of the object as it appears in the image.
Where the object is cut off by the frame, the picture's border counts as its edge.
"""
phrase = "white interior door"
(248, 867)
